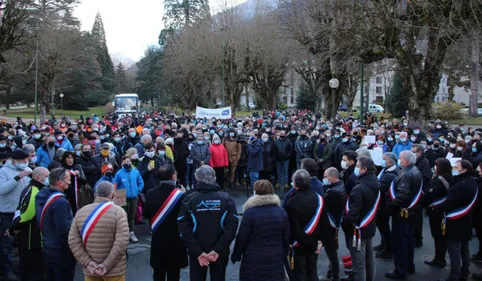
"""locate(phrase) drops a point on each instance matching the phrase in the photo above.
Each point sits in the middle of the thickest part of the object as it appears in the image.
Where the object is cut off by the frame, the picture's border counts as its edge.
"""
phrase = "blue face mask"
(133, 135)
(455, 173)
(429, 139)
(200, 142)
(474, 149)
(194, 135)
(21, 166)
(390, 139)
(117, 139)
(383, 163)
(357, 171)
(231, 134)
(326, 182)
(3, 145)
(211, 132)
(399, 163)
(46, 182)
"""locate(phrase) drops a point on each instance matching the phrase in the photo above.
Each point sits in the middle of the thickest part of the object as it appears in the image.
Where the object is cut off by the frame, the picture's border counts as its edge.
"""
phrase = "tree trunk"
(152, 101)
(7, 97)
(474, 78)
(247, 94)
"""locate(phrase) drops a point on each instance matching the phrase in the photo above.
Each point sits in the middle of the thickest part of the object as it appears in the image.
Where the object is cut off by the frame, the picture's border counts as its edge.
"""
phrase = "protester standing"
(99, 237)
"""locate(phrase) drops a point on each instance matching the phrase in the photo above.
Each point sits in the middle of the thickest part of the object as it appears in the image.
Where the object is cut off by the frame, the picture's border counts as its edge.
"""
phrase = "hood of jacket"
(262, 200)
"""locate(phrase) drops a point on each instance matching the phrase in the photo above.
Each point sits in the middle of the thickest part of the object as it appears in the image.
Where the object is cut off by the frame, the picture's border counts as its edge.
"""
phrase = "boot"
(132, 237)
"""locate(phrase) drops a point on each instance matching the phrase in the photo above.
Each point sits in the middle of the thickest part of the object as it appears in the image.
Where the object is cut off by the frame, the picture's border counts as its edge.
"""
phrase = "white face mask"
(459, 148)
(452, 145)
(344, 165)
(150, 154)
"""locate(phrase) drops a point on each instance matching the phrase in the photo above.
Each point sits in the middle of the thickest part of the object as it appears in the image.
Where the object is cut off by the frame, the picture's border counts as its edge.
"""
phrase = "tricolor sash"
(93, 219)
(76, 188)
(333, 222)
(381, 174)
(166, 208)
(52, 199)
(367, 219)
(458, 213)
(437, 202)
(415, 199)
(314, 220)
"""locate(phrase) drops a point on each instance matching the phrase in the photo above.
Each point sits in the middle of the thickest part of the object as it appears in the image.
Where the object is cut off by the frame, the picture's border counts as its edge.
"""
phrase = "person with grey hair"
(208, 222)
(145, 139)
(363, 152)
(101, 247)
(405, 195)
(424, 167)
(304, 209)
(362, 204)
(404, 144)
(386, 177)
(335, 200)
(32, 153)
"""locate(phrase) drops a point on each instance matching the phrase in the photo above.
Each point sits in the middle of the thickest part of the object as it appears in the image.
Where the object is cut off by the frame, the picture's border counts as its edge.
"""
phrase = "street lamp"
(62, 103)
(334, 83)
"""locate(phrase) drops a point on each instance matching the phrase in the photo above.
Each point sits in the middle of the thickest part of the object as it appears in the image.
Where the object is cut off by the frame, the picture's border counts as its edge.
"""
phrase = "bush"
(447, 110)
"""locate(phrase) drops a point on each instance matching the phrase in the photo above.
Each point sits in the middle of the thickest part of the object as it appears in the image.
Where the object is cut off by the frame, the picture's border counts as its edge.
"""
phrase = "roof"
(127, 95)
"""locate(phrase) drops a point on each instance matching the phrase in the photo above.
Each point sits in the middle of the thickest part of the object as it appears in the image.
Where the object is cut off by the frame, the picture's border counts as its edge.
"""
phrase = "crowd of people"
(58, 182)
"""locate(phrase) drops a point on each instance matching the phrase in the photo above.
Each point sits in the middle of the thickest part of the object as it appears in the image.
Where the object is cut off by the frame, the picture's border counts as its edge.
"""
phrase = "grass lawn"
(73, 114)
(468, 121)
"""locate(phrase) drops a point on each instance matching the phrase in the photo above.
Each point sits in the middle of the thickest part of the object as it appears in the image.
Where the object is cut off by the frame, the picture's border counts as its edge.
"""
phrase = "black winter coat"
(208, 221)
(301, 208)
(263, 240)
(268, 156)
(386, 180)
(151, 178)
(424, 167)
(407, 184)
(181, 152)
(91, 171)
(335, 200)
(167, 248)
(461, 193)
(438, 189)
(283, 149)
(349, 179)
(362, 199)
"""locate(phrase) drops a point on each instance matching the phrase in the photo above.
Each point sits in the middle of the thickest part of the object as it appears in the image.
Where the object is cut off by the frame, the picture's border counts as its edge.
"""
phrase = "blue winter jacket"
(399, 147)
(65, 144)
(55, 227)
(43, 158)
(131, 181)
(255, 156)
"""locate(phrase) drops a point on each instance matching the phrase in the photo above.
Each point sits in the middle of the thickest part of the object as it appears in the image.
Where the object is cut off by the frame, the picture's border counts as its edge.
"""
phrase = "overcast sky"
(130, 26)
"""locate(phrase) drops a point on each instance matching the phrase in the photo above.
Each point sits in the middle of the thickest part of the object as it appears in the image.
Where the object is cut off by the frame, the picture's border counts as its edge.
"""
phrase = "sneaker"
(188, 187)
(348, 264)
(346, 258)
(436, 263)
(132, 237)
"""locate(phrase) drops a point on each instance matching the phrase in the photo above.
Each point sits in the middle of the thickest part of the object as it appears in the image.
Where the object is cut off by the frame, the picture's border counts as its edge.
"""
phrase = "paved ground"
(139, 269)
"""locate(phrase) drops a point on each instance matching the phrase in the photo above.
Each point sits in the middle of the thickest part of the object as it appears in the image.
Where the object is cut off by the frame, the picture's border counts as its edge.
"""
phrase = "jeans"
(253, 177)
(282, 168)
(5, 244)
(305, 267)
(402, 246)
(459, 259)
(332, 254)
(363, 261)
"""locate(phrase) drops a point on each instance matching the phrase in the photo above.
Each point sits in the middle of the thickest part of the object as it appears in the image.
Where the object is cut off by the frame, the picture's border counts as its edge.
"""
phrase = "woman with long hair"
(263, 238)
(438, 191)
(78, 181)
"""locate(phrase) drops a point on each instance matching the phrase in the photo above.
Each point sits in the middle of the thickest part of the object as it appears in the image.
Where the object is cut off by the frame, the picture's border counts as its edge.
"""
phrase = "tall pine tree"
(121, 80)
(397, 101)
(103, 57)
(181, 13)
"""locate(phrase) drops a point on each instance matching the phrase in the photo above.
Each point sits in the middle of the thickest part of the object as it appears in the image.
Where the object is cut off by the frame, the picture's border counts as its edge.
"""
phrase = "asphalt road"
(140, 270)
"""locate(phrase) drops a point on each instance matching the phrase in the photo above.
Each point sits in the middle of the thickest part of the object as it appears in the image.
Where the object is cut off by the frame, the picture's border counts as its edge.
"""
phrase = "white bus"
(126, 104)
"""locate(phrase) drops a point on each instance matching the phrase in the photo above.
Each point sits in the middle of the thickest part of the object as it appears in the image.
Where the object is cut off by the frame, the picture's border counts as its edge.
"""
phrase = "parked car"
(375, 108)
(343, 107)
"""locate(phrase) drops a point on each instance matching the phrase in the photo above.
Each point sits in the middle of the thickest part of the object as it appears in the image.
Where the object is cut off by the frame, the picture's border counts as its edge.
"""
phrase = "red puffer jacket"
(219, 156)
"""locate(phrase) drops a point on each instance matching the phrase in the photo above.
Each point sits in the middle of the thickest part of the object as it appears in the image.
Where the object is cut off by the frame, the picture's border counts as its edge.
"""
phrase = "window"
(379, 80)
(378, 90)
(292, 100)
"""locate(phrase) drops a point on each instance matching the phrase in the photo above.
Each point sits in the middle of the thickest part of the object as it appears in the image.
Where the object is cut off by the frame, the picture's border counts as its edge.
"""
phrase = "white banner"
(218, 113)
